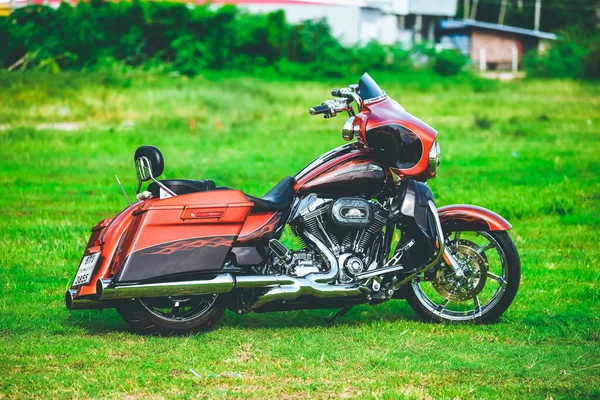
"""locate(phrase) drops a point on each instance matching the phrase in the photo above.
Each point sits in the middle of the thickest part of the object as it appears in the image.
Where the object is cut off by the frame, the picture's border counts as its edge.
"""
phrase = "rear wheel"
(172, 315)
(485, 286)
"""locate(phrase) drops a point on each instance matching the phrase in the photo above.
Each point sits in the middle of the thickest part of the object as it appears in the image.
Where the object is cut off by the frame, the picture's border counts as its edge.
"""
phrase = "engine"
(350, 226)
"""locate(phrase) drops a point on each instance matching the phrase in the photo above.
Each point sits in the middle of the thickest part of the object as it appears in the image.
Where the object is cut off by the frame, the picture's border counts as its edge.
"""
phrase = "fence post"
(482, 60)
(418, 28)
(515, 58)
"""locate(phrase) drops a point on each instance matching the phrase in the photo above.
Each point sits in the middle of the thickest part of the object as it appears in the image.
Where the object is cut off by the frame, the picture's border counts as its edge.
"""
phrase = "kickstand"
(338, 314)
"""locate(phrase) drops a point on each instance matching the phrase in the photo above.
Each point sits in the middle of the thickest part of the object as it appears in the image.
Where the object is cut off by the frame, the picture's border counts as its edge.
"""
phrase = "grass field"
(528, 150)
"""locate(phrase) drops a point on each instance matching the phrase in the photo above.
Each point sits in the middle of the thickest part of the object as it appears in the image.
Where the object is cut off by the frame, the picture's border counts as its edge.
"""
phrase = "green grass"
(528, 150)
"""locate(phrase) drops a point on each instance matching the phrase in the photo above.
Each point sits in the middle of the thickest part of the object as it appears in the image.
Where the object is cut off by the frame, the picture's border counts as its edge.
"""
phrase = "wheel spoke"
(497, 278)
(477, 309)
(176, 311)
(483, 249)
(442, 306)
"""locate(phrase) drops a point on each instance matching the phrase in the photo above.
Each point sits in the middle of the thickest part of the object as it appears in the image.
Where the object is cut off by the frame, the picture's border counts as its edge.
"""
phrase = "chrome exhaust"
(222, 283)
(313, 284)
(82, 302)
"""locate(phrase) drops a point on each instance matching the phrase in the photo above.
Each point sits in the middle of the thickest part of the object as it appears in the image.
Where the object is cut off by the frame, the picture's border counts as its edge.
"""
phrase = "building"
(359, 21)
(7, 5)
(492, 46)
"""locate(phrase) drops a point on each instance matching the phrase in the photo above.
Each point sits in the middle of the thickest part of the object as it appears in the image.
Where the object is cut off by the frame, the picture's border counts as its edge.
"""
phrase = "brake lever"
(350, 93)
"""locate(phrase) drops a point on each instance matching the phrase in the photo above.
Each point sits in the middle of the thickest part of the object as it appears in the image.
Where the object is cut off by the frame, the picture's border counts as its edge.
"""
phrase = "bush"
(449, 62)
(189, 40)
(564, 59)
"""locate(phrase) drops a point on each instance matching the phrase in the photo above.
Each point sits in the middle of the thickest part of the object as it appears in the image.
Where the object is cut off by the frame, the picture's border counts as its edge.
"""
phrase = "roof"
(469, 23)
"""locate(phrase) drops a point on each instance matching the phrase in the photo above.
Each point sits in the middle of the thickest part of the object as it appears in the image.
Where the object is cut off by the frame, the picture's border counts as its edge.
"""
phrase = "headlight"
(434, 158)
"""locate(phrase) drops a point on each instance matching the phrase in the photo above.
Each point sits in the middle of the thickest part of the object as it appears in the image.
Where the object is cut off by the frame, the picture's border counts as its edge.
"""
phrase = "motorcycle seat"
(277, 199)
(182, 186)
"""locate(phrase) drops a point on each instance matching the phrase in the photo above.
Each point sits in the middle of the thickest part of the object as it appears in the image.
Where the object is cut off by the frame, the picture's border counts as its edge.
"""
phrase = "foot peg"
(280, 250)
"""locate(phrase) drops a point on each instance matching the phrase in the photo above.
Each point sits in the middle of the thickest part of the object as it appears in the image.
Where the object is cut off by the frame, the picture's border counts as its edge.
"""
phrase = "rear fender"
(105, 238)
(464, 217)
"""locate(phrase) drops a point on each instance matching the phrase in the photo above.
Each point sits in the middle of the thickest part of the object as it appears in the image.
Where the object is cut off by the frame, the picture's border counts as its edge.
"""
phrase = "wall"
(498, 46)
(349, 23)
(433, 7)
(343, 20)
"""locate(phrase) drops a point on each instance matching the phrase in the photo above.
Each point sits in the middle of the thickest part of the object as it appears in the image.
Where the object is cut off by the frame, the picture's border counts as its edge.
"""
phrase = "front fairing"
(387, 111)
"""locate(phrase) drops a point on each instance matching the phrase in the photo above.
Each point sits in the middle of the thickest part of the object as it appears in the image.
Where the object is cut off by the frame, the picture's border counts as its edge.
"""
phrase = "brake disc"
(474, 267)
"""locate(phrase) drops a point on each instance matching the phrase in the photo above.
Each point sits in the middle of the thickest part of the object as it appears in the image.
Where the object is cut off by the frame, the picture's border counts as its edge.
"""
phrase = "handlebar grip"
(322, 109)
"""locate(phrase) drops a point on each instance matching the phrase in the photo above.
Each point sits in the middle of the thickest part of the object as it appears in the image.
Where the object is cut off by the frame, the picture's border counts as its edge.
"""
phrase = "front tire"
(484, 289)
(172, 315)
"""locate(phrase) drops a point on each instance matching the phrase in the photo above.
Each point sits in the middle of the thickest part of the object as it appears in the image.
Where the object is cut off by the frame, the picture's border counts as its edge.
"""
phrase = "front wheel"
(483, 289)
(172, 315)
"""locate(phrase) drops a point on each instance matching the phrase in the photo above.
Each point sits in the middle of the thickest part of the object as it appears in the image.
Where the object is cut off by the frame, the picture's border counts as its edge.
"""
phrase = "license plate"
(86, 269)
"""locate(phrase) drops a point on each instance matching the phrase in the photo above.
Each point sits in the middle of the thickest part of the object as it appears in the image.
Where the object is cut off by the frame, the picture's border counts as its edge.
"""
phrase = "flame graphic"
(268, 228)
(192, 244)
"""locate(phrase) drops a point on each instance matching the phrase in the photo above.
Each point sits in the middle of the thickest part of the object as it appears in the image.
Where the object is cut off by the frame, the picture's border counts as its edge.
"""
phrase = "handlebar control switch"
(328, 108)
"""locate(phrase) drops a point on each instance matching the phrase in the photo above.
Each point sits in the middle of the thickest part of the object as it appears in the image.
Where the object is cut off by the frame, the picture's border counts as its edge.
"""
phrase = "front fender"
(464, 217)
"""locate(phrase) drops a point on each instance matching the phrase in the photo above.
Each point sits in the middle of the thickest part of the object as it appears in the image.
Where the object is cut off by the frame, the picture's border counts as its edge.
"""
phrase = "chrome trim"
(435, 155)
(144, 173)
(348, 129)
(81, 303)
(261, 281)
(381, 271)
(313, 285)
(142, 167)
(375, 99)
(222, 283)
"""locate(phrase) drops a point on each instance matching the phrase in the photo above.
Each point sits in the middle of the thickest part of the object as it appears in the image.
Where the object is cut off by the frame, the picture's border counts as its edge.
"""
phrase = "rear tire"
(189, 315)
(509, 282)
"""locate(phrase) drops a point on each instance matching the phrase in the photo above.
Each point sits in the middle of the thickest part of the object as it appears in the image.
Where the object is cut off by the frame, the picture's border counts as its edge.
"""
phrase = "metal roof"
(468, 23)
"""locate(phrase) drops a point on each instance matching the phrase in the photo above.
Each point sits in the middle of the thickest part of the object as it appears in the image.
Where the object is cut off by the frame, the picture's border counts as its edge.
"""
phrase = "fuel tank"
(349, 170)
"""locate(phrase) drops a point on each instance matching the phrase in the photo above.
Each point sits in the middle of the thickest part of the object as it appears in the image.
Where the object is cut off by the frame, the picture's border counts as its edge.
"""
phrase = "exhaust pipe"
(313, 285)
(223, 283)
(82, 302)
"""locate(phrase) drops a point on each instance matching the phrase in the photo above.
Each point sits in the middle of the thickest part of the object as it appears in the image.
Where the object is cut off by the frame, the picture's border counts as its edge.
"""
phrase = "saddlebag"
(188, 234)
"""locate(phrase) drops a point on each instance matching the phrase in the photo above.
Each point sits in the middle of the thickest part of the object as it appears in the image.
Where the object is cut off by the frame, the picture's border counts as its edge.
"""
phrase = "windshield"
(368, 88)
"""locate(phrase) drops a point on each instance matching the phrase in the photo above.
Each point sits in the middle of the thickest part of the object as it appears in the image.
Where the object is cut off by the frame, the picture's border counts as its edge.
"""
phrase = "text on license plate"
(86, 269)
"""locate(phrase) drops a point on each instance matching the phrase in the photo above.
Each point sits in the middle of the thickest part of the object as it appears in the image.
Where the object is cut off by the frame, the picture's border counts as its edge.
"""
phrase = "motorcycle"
(369, 229)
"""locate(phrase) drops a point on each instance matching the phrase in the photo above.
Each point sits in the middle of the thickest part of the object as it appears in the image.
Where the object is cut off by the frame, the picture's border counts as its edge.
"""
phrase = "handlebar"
(322, 109)
(343, 98)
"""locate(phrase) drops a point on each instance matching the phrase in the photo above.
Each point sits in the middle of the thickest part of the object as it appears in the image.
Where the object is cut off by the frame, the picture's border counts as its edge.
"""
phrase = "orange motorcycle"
(187, 250)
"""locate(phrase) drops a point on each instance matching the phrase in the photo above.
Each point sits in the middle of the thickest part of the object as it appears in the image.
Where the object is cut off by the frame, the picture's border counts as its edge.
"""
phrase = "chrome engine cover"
(352, 213)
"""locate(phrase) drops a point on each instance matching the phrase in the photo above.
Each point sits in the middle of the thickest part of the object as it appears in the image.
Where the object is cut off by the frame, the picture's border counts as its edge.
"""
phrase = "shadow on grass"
(98, 322)
(95, 322)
